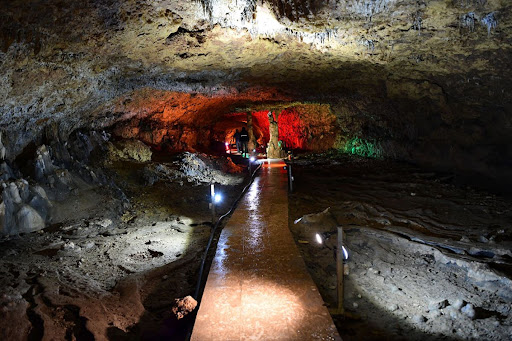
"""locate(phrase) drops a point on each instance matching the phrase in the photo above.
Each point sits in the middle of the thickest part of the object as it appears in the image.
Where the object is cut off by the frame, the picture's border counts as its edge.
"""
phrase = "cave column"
(252, 139)
(2, 148)
(274, 151)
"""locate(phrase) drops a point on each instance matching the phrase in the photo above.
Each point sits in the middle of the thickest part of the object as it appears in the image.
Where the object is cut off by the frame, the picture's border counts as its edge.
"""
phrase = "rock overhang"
(444, 62)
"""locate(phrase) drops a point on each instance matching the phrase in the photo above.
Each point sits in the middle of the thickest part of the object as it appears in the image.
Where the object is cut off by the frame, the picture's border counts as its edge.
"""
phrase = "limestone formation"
(114, 118)
(427, 82)
(23, 208)
(29, 220)
(183, 306)
(2, 148)
(274, 149)
(130, 149)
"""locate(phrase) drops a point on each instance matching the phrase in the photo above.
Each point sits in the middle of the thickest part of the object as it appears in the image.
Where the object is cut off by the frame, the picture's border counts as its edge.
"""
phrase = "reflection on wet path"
(258, 287)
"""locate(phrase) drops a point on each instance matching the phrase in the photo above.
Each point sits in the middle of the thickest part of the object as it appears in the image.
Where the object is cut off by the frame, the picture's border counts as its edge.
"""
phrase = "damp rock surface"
(410, 266)
(426, 82)
(130, 150)
(102, 255)
(183, 306)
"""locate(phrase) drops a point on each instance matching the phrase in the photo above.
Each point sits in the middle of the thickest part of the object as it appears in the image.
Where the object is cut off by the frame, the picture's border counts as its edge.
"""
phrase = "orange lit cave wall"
(175, 121)
(226, 127)
(165, 136)
(304, 127)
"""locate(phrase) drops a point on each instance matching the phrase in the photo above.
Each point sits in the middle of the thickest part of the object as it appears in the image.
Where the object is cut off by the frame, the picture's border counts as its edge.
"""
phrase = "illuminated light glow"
(227, 144)
(254, 195)
(297, 220)
(229, 13)
(217, 198)
(252, 159)
(266, 23)
(319, 239)
(367, 148)
(345, 252)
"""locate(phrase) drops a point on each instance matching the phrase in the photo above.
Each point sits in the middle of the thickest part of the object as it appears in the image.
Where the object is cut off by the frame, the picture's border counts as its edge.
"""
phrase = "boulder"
(29, 220)
(6, 172)
(130, 150)
(469, 311)
(12, 193)
(183, 306)
(43, 164)
(2, 218)
(41, 205)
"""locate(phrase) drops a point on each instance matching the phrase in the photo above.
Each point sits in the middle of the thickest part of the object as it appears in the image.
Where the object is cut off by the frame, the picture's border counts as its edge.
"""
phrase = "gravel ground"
(427, 260)
(105, 270)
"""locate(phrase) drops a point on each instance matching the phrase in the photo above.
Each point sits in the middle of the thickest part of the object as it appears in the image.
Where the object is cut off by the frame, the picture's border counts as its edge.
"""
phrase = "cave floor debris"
(98, 274)
(428, 259)
(258, 287)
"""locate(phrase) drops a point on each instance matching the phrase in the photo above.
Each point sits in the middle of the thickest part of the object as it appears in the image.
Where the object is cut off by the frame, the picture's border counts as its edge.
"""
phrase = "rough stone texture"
(183, 306)
(273, 150)
(29, 220)
(130, 149)
(24, 208)
(424, 81)
(411, 277)
(195, 169)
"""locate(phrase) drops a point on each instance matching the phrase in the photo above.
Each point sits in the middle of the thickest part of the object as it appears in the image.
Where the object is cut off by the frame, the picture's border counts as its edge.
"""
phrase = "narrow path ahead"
(258, 287)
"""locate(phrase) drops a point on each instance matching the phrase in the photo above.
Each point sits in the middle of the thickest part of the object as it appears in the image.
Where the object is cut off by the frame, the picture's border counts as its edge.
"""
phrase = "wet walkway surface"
(258, 287)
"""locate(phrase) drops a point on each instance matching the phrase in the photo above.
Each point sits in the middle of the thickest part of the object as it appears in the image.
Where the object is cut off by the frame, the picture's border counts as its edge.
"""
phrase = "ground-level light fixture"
(215, 198)
(341, 255)
(319, 238)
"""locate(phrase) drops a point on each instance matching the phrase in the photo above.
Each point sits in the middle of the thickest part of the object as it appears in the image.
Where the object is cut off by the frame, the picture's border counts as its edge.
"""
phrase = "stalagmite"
(274, 151)
(2, 148)
(116, 117)
(250, 129)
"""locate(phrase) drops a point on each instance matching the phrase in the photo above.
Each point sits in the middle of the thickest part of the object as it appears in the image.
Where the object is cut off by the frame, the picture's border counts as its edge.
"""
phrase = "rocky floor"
(106, 269)
(428, 260)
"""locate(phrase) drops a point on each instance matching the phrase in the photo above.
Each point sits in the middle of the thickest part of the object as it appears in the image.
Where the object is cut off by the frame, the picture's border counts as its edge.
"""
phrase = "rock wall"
(50, 173)
(426, 81)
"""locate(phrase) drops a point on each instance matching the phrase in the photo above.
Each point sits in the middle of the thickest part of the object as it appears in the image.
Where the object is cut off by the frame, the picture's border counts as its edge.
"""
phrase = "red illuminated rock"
(183, 306)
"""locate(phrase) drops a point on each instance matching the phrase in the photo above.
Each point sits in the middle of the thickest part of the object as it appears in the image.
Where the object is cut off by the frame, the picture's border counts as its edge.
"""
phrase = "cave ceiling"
(63, 60)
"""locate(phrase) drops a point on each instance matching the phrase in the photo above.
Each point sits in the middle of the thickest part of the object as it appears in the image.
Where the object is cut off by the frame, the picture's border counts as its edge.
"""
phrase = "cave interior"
(117, 116)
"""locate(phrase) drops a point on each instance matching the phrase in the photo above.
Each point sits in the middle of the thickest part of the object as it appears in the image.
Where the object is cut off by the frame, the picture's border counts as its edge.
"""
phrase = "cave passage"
(258, 284)
(117, 117)
(178, 123)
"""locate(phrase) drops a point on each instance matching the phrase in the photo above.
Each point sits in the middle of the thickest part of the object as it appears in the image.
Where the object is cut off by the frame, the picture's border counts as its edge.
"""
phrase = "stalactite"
(368, 8)
(417, 21)
(369, 44)
(208, 6)
(490, 22)
(2, 148)
(470, 3)
(468, 21)
(248, 11)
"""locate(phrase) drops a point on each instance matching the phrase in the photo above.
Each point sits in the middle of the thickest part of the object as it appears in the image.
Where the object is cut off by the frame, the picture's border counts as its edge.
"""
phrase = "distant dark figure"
(244, 139)
(237, 141)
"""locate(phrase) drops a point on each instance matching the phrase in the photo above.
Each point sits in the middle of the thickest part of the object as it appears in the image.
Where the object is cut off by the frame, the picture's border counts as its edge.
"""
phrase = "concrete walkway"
(258, 287)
